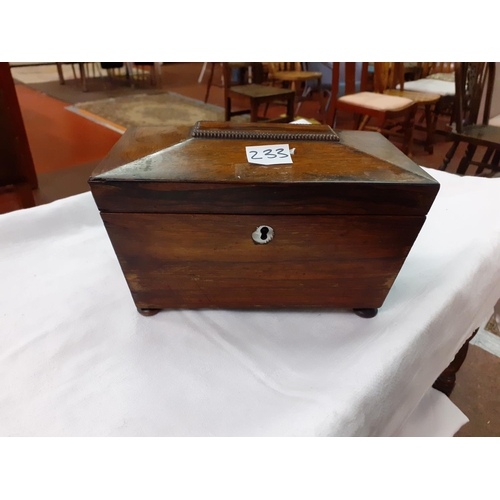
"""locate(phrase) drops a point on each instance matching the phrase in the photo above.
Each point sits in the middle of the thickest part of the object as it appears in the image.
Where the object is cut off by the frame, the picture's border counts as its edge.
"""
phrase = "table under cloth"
(78, 360)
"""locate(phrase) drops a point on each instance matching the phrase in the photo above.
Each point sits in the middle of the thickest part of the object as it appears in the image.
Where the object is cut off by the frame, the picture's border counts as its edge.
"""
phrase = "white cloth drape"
(76, 359)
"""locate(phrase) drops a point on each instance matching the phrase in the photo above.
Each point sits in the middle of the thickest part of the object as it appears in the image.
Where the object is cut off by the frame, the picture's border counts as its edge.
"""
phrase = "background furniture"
(324, 86)
(474, 83)
(17, 171)
(211, 76)
(436, 78)
(95, 367)
(254, 93)
(292, 75)
(394, 115)
(83, 68)
(394, 85)
(137, 72)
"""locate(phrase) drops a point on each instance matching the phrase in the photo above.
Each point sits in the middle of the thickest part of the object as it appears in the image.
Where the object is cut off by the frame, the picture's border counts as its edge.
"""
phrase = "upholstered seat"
(426, 99)
(430, 85)
(376, 101)
(394, 116)
(420, 97)
(445, 77)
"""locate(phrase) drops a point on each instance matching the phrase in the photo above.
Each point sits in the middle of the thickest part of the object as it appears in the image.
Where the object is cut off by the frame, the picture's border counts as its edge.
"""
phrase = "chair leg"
(254, 111)
(307, 90)
(130, 72)
(60, 73)
(227, 109)
(484, 161)
(321, 103)
(24, 194)
(82, 76)
(290, 104)
(449, 155)
(157, 67)
(429, 124)
(495, 163)
(332, 120)
(202, 72)
(467, 158)
(209, 83)
(362, 123)
(408, 132)
(496, 158)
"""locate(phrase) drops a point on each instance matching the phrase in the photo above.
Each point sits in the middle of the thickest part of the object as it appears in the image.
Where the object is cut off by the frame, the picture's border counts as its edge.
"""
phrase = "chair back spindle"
(388, 75)
(471, 79)
(348, 78)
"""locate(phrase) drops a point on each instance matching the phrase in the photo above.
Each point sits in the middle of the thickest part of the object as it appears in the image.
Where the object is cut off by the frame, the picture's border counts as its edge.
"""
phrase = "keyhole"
(263, 235)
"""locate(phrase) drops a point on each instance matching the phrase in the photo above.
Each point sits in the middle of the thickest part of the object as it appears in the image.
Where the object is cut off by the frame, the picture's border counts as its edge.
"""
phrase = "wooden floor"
(59, 139)
(66, 148)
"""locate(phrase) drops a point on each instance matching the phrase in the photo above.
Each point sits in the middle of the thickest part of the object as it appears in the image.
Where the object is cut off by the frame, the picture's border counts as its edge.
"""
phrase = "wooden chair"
(426, 100)
(436, 78)
(213, 66)
(434, 69)
(291, 75)
(394, 115)
(254, 93)
(84, 70)
(210, 77)
(474, 83)
(144, 71)
(325, 68)
(17, 172)
(83, 77)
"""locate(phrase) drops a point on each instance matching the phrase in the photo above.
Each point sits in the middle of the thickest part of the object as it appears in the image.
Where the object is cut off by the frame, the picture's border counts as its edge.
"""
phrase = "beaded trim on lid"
(253, 135)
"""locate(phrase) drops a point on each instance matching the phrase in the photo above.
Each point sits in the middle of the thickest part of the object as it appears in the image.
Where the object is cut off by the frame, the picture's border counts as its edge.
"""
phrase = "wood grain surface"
(161, 170)
(210, 261)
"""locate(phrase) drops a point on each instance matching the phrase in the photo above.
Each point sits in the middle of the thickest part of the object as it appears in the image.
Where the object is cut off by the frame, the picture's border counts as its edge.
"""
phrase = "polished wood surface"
(205, 261)
(17, 171)
(358, 157)
(344, 216)
(361, 174)
(138, 142)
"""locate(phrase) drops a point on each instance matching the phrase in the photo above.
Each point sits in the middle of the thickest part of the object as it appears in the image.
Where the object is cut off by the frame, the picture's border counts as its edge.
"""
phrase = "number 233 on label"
(277, 154)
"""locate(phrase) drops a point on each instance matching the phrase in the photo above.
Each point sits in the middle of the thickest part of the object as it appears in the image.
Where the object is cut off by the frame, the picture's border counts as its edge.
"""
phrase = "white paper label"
(277, 154)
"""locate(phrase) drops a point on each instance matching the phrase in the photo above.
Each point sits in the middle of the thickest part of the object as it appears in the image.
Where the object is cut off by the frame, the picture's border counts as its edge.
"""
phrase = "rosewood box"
(195, 225)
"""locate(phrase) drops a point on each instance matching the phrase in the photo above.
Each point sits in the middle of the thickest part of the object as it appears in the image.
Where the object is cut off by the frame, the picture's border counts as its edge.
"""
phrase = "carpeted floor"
(166, 108)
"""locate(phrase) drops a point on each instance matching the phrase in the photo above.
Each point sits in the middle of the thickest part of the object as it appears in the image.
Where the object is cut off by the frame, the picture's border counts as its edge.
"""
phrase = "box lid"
(204, 169)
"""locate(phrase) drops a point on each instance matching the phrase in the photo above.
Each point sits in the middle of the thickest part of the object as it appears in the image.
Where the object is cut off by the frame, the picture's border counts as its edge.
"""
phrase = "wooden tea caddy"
(184, 211)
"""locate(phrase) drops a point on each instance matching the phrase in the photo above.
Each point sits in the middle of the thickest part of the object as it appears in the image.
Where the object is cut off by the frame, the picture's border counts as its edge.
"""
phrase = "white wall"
(495, 102)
